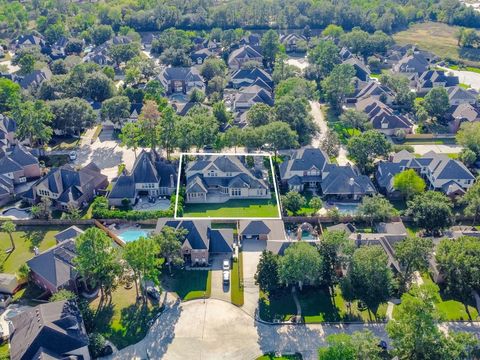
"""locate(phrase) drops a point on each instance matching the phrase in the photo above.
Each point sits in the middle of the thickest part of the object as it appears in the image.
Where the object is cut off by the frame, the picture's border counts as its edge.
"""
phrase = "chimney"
(351, 181)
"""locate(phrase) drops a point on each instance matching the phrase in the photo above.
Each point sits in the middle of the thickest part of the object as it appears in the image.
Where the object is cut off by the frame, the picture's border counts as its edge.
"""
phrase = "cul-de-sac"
(240, 180)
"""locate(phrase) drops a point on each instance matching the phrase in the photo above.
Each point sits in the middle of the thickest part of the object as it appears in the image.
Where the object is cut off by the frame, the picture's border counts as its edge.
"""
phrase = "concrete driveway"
(252, 249)
(220, 290)
(439, 149)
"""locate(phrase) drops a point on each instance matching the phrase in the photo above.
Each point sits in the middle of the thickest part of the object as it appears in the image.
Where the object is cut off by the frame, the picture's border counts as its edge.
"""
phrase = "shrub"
(100, 210)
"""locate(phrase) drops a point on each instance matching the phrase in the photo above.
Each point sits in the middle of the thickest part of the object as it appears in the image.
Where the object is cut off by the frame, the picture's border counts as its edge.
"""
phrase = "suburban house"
(345, 53)
(52, 330)
(463, 113)
(181, 80)
(219, 178)
(304, 169)
(7, 132)
(345, 183)
(387, 236)
(290, 41)
(201, 241)
(151, 176)
(28, 41)
(429, 79)
(440, 172)
(458, 95)
(35, 78)
(7, 190)
(19, 165)
(412, 63)
(383, 118)
(243, 99)
(263, 230)
(242, 55)
(251, 39)
(247, 77)
(54, 269)
(199, 56)
(99, 55)
(362, 72)
(67, 186)
(374, 90)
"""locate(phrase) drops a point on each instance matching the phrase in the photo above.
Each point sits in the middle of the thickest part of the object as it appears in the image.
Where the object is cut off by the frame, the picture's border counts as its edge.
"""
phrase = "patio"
(144, 205)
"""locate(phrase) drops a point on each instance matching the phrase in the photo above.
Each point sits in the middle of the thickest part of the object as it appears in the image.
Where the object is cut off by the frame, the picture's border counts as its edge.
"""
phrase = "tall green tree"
(415, 334)
(213, 67)
(141, 257)
(431, 211)
(279, 136)
(259, 114)
(9, 228)
(33, 122)
(301, 265)
(130, 137)
(376, 208)
(270, 45)
(266, 276)
(409, 183)
(72, 115)
(370, 276)
(469, 136)
(413, 254)
(458, 261)
(338, 84)
(355, 119)
(116, 109)
(436, 102)
(170, 242)
(98, 261)
(324, 57)
(9, 95)
(366, 147)
(293, 201)
(472, 201)
(361, 345)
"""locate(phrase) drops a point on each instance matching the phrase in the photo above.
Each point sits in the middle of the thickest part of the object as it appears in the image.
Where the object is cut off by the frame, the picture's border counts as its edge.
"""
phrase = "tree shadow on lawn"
(35, 237)
(186, 283)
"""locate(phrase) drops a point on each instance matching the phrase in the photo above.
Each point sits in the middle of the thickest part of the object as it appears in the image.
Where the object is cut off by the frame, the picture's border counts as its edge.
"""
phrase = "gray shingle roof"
(343, 180)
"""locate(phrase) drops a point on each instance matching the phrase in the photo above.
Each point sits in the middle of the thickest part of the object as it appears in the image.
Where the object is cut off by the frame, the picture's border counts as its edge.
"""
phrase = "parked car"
(226, 264)
(153, 292)
(72, 155)
(226, 277)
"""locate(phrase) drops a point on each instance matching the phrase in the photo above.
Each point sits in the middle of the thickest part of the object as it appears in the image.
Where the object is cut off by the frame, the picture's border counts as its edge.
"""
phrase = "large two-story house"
(310, 168)
(200, 240)
(242, 55)
(67, 186)
(19, 165)
(181, 80)
(151, 175)
(219, 178)
(441, 173)
(247, 77)
(429, 79)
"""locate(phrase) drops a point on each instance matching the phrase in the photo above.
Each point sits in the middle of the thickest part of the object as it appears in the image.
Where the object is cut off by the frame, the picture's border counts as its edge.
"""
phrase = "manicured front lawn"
(4, 351)
(188, 284)
(26, 238)
(449, 309)
(237, 281)
(317, 306)
(234, 209)
(124, 322)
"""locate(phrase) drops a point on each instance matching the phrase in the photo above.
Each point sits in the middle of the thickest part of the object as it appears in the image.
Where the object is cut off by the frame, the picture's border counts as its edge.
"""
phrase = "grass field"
(317, 307)
(272, 356)
(435, 37)
(188, 284)
(123, 321)
(234, 209)
(25, 240)
(237, 281)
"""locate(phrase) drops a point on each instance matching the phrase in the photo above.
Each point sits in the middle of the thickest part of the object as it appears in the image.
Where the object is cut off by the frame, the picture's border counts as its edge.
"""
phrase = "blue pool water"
(133, 234)
(348, 209)
(17, 213)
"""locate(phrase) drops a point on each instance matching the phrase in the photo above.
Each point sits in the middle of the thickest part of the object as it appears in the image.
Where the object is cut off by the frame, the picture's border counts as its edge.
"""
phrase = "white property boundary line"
(277, 196)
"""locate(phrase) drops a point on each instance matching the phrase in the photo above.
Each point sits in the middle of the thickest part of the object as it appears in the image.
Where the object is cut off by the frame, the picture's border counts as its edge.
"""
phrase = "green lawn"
(236, 282)
(25, 240)
(188, 284)
(271, 356)
(306, 210)
(64, 143)
(317, 306)
(449, 309)
(438, 38)
(4, 351)
(123, 321)
(234, 209)
(465, 68)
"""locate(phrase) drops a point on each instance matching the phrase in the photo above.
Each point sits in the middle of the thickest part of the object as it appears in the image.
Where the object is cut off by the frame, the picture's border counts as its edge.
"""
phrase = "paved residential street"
(466, 77)
(215, 329)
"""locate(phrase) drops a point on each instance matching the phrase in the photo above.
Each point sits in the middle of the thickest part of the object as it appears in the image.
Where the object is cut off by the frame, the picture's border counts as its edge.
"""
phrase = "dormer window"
(212, 173)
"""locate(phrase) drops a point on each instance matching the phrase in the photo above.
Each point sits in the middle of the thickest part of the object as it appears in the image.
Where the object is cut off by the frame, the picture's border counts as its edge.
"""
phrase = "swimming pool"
(17, 213)
(347, 208)
(129, 235)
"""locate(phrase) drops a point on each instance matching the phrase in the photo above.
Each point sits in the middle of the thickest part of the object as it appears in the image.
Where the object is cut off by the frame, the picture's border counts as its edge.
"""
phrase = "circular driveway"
(215, 329)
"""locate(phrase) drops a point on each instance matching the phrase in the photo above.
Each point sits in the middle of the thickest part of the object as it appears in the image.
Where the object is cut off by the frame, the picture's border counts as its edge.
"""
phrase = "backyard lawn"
(123, 322)
(272, 356)
(316, 307)
(344, 132)
(188, 284)
(237, 281)
(234, 209)
(26, 238)
(438, 38)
